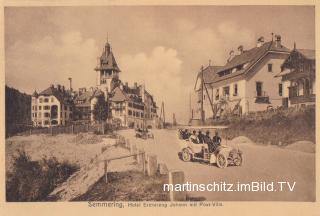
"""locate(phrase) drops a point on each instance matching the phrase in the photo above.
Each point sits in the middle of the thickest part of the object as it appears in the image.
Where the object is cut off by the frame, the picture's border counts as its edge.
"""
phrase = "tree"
(100, 111)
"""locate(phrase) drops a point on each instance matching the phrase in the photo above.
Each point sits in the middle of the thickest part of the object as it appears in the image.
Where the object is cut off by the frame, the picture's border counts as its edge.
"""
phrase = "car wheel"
(222, 161)
(186, 156)
(238, 160)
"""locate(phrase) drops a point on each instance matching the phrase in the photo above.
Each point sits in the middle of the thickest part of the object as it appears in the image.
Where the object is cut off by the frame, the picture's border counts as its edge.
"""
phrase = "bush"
(35, 180)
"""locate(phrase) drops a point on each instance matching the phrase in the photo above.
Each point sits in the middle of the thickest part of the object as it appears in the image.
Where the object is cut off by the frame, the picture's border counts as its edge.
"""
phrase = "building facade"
(246, 83)
(298, 77)
(51, 107)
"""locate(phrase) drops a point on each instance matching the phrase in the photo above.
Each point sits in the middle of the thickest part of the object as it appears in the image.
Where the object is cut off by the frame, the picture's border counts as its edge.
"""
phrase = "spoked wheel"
(237, 160)
(222, 161)
(186, 156)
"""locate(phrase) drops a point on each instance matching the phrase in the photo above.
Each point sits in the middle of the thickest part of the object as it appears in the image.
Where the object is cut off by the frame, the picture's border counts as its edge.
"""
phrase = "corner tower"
(107, 70)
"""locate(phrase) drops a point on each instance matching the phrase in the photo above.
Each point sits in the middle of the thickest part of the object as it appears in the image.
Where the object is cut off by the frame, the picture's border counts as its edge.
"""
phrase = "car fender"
(188, 149)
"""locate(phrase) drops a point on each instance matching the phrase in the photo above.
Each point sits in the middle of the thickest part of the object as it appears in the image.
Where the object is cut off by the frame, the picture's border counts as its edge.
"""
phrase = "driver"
(216, 140)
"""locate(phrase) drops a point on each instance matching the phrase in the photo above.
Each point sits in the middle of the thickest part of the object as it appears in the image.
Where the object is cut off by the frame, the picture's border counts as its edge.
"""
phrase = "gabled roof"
(62, 95)
(248, 58)
(107, 60)
(118, 95)
(87, 96)
(308, 53)
(252, 55)
(209, 75)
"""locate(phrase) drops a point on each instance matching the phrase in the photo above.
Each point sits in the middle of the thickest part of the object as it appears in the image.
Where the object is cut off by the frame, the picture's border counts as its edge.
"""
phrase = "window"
(46, 122)
(46, 107)
(280, 89)
(226, 91)
(259, 89)
(235, 90)
(40, 100)
(46, 114)
(217, 94)
(40, 107)
(269, 67)
(46, 100)
(129, 112)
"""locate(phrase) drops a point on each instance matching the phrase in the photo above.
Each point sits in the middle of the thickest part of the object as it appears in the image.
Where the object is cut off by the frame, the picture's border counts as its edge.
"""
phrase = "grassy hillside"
(285, 126)
(18, 111)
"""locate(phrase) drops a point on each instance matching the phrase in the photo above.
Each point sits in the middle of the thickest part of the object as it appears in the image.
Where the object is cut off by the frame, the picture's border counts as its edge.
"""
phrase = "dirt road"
(261, 164)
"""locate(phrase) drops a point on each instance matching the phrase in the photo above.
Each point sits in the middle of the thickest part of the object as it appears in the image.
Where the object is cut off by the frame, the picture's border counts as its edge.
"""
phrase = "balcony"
(295, 98)
(303, 99)
(262, 98)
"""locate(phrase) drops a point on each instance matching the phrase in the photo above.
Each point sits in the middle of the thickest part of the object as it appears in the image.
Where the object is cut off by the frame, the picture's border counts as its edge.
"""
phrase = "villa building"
(246, 83)
(51, 107)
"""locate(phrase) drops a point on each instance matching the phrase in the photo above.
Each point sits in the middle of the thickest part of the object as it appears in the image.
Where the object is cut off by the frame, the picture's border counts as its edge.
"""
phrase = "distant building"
(51, 107)
(299, 78)
(133, 106)
(246, 83)
(84, 102)
(128, 106)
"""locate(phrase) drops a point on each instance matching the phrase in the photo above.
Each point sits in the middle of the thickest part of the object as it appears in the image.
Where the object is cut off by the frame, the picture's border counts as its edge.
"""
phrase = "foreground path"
(261, 164)
(80, 181)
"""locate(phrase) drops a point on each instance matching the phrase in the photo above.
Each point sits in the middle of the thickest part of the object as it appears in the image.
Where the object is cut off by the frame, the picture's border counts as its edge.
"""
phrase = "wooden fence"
(71, 129)
(150, 167)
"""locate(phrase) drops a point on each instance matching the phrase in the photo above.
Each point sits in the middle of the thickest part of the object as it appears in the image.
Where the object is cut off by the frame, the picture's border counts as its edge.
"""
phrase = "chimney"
(278, 41)
(240, 49)
(231, 55)
(70, 83)
(135, 85)
(260, 41)
(59, 87)
(51, 86)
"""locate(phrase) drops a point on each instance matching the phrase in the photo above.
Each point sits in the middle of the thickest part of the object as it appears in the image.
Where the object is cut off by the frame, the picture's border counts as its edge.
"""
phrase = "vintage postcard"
(157, 107)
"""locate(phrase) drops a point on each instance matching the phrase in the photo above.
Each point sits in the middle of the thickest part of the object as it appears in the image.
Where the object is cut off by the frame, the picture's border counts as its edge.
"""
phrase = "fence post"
(134, 150)
(177, 177)
(152, 165)
(127, 143)
(106, 170)
(140, 157)
(51, 131)
(144, 163)
(72, 129)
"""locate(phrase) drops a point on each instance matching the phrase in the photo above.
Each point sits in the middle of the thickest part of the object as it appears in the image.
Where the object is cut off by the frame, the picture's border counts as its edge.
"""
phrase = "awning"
(282, 73)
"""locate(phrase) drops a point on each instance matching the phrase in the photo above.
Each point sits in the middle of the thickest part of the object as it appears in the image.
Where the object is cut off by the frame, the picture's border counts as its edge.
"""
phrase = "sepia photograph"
(160, 105)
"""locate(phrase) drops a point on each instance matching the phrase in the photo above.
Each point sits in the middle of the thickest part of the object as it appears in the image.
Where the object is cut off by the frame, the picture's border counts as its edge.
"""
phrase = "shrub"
(34, 180)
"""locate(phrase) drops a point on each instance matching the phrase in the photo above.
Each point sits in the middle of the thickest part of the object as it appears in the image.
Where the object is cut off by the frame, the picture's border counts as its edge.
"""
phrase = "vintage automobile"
(144, 134)
(222, 156)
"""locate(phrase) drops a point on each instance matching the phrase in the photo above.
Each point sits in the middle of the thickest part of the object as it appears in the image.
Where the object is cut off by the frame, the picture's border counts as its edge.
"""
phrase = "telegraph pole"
(202, 88)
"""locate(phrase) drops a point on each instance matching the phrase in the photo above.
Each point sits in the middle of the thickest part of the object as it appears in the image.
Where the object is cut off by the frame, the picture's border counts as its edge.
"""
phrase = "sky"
(162, 47)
